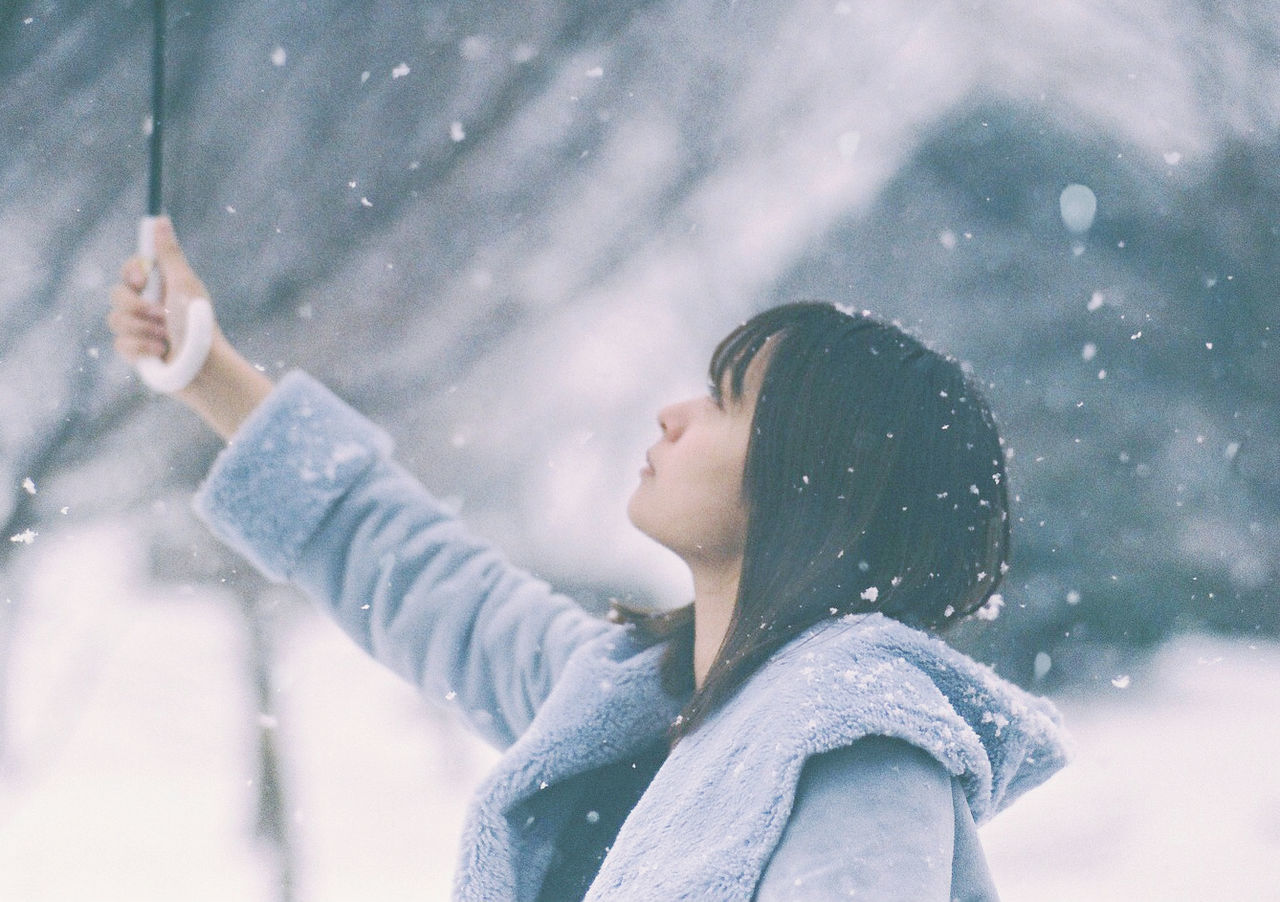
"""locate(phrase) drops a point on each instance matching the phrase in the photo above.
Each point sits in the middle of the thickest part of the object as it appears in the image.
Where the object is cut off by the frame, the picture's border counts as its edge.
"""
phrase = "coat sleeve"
(874, 820)
(306, 490)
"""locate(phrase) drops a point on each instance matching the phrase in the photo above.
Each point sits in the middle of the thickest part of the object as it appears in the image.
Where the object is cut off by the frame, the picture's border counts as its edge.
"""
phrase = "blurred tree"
(438, 206)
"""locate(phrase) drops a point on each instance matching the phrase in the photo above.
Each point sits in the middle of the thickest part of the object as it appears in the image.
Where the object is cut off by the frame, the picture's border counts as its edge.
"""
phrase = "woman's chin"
(642, 517)
(635, 511)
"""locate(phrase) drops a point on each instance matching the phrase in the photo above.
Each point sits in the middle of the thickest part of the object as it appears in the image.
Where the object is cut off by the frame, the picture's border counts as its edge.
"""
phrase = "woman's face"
(690, 493)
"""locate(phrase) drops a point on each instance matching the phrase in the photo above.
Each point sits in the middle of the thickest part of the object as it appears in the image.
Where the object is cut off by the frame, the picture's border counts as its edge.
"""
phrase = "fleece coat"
(307, 491)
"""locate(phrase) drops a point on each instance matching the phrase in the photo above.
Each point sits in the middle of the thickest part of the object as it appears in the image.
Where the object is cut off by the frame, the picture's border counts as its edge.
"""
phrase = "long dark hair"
(874, 481)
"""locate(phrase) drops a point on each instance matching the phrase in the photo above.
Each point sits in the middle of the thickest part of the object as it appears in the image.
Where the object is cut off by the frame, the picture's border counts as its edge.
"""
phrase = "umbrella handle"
(178, 372)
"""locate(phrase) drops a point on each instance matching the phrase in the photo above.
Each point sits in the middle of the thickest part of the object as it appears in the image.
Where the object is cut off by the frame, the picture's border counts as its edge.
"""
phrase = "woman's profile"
(799, 731)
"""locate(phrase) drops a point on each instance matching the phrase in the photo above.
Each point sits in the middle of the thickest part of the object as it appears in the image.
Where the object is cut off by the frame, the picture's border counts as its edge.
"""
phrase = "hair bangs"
(734, 354)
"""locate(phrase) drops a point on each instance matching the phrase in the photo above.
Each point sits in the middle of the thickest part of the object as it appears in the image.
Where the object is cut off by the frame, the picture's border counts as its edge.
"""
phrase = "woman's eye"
(714, 393)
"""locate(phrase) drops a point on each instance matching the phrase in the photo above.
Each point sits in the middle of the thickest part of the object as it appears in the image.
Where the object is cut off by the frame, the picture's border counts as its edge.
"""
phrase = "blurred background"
(508, 233)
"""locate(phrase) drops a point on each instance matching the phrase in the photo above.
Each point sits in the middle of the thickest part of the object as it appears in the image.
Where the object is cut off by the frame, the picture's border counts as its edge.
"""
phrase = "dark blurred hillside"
(509, 232)
(1134, 371)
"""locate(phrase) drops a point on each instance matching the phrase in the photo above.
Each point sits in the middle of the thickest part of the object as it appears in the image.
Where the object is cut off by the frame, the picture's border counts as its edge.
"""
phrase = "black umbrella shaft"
(154, 202)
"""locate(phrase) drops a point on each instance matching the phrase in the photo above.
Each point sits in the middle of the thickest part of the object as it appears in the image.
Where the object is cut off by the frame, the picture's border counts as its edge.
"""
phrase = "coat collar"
(608, 703)
(716, 809)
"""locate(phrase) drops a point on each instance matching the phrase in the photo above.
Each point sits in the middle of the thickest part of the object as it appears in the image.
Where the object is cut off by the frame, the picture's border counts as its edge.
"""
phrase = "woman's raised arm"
(308, 492)
(227, 388)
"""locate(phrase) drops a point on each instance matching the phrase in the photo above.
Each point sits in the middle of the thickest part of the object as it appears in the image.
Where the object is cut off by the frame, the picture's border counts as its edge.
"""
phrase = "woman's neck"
(715, 594)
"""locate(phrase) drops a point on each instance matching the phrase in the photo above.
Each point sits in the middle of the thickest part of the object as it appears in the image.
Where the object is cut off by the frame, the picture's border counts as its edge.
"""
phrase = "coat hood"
(715, 811)
(868, 674)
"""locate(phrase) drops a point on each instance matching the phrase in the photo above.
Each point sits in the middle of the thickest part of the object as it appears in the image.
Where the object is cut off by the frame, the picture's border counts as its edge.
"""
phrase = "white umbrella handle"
(197, 339)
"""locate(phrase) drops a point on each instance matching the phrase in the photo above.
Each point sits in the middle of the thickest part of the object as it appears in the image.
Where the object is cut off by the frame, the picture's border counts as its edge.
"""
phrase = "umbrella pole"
(186, 360)
(155, 155)
(155, 146)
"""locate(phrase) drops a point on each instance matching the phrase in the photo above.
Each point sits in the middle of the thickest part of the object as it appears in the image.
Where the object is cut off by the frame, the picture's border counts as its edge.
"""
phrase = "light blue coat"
(308, 492)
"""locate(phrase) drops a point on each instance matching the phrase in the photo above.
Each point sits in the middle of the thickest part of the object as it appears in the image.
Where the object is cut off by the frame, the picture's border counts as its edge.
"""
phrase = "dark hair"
(874, 481)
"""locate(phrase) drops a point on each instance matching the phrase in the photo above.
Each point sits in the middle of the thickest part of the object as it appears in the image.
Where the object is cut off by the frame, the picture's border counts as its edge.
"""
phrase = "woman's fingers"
(125, 324)
(128, 307)
(132, 348)
(148, 329)
(134, 273)
(139, 327)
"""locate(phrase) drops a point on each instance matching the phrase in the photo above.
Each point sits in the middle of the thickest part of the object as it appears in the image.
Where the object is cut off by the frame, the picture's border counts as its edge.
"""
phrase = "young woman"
(797, 732)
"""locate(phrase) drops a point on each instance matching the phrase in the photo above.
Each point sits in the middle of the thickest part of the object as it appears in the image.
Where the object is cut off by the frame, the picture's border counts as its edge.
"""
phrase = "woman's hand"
(227, 388)
(146, 329)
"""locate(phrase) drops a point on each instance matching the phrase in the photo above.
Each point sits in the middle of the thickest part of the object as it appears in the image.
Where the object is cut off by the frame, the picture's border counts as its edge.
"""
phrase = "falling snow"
(1078, 206)
(847, 146)
(1174, 435)
(1043, 663)
(990, 610)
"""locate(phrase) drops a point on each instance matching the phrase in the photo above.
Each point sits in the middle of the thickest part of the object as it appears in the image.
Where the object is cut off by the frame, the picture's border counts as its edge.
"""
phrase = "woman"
(795, 733)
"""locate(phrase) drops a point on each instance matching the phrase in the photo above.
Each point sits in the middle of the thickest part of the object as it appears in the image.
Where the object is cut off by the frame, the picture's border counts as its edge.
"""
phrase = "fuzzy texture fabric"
(306, 491)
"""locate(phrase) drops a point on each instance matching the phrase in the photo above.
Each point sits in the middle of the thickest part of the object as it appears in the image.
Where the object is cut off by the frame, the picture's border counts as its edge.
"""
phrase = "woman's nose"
(671, 420)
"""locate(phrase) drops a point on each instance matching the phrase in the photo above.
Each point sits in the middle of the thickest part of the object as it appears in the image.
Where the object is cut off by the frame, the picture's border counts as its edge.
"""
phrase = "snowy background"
(509, 233)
